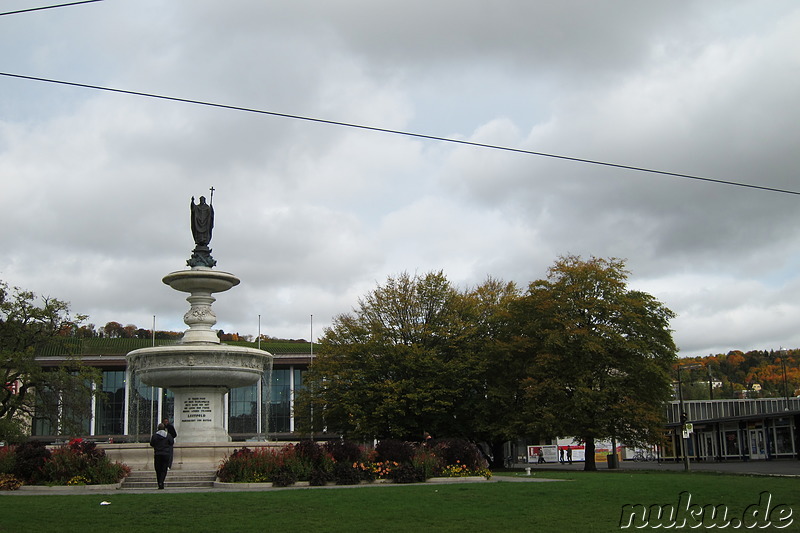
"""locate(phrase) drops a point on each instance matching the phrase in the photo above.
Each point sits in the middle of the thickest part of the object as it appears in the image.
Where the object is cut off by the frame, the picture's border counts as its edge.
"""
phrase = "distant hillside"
(775, 373)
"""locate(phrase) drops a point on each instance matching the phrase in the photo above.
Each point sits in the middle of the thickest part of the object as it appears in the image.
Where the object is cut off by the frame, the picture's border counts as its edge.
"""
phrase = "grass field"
(584, 501)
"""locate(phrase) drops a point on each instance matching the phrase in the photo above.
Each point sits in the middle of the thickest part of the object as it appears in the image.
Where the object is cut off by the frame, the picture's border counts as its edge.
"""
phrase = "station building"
(721, 430)
(744, 429)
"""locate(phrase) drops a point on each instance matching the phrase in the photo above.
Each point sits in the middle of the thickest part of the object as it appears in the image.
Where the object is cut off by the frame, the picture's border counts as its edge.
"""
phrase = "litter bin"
(613, 460)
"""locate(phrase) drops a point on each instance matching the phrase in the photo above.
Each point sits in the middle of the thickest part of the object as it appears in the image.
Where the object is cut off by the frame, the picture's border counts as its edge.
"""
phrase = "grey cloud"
(311, 216)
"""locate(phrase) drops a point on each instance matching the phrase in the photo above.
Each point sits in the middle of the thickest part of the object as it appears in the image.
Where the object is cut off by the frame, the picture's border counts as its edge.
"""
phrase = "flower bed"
(78, 463)
(347, 463)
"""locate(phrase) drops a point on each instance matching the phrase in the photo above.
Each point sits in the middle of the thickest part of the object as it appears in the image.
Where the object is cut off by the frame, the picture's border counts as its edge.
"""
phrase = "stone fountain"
(200, 370)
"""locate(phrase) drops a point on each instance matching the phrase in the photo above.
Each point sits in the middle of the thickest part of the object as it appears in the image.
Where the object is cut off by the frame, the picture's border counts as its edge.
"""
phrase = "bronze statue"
(201, 222)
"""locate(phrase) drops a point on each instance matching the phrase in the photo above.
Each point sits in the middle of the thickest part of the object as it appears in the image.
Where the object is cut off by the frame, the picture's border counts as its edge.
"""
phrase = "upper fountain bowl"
(201, 279)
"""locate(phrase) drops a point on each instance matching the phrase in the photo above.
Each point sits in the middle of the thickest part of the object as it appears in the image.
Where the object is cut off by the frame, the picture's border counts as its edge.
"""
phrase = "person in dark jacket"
(162, 443)
(170, 430)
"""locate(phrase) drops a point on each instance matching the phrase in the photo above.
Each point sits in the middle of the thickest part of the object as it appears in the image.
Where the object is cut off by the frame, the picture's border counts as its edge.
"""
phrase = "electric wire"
(48, 7)
(406, 133)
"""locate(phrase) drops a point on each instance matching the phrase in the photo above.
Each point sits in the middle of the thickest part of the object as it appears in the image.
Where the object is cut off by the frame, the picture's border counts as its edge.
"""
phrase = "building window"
(243, 410)
(167, 404)
(783, 437)
(110, 406)
(143, 411)
(45, 419)
(297, 387)
(732, 443)
(61, 413)
(280, 401)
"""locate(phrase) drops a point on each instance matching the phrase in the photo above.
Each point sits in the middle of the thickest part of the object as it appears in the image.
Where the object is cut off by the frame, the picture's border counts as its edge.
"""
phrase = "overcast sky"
(94, 204)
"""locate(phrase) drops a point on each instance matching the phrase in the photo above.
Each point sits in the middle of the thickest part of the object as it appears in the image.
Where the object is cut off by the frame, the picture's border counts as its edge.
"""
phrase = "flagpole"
(310, 362)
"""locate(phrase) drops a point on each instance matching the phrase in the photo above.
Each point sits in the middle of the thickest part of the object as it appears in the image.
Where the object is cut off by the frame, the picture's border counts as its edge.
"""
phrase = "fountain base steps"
(146, 480)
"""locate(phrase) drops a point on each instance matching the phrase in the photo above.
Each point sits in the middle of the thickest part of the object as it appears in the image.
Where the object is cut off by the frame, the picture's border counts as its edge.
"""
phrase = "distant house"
(715, 383)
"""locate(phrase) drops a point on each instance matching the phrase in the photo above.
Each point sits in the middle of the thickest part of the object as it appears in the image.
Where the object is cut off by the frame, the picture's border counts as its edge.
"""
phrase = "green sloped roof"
(65, 346)
(276, 347)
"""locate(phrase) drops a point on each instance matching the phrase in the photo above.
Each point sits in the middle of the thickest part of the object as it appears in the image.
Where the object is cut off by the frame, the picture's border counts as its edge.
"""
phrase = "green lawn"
(585, 502)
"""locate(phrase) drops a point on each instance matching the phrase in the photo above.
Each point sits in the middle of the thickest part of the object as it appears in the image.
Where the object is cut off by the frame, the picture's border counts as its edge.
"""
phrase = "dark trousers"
(161, 463)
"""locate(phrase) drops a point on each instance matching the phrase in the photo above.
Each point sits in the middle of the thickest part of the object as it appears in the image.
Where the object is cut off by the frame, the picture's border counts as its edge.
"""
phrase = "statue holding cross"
(202, 222)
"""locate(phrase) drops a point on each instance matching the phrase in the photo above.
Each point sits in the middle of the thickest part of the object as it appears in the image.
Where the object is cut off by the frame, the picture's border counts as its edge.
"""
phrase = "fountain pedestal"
(198, 412)
(200, 369)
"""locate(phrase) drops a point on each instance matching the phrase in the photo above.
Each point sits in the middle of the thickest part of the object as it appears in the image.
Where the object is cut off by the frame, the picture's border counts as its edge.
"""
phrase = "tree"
(502, 368)
(600, 355)
(113, 330)
(401, 365)
(59, 395)
(86, 331)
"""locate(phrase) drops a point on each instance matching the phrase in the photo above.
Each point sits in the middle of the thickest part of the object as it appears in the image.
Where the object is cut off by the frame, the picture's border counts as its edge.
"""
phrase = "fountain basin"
(199, 376)
(199, 365)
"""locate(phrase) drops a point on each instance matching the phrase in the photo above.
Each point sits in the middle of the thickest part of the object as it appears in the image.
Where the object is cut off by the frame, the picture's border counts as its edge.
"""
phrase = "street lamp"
(715, 425)
(684, 417)
(785, 387)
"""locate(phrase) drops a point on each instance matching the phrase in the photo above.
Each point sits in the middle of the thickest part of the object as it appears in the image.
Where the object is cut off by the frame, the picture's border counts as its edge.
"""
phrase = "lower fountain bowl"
(199, 365)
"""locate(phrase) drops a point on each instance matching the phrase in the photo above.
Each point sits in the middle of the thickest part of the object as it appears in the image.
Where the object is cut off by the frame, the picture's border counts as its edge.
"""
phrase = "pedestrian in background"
(162, 443)
(170, 430)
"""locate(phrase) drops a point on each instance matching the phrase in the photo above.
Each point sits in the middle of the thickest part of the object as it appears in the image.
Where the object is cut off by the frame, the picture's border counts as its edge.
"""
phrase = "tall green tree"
(502, 367)
(401, 365)
(59, 395)
(600, 355)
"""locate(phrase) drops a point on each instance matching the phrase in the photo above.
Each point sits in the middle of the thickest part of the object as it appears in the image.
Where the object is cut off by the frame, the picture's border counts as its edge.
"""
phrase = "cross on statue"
(211, 199)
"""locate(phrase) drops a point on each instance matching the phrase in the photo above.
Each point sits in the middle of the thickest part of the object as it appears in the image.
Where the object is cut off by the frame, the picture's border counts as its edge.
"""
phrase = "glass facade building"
(127, 409)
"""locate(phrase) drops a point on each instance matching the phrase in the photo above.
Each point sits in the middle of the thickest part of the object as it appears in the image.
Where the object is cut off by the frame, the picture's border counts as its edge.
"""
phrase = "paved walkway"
(777, 467)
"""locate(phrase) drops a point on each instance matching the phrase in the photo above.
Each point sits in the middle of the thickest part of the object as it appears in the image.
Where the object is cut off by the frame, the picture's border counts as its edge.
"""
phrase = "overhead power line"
(405, 133)
(48, 7)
